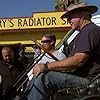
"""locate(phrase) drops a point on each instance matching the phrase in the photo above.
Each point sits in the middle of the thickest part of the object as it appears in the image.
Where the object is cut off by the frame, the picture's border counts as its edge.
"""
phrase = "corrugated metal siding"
(96, 19)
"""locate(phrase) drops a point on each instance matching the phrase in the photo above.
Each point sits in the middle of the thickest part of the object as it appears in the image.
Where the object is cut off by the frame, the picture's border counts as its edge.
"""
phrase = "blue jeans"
(47, 83)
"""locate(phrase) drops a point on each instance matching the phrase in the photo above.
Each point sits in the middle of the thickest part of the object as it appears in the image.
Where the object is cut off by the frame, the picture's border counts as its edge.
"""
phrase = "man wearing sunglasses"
(48, 41)
(85, 59)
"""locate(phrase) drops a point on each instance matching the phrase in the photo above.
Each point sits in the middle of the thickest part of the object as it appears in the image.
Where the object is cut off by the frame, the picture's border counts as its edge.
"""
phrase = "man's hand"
(39, 68)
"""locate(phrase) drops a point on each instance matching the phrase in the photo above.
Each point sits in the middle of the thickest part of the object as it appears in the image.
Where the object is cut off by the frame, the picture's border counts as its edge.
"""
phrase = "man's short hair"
(50, 36)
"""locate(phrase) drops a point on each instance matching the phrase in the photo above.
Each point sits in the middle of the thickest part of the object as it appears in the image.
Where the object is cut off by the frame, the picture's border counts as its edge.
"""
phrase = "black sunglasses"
(45, 41)
(69, 18)
(72, 16)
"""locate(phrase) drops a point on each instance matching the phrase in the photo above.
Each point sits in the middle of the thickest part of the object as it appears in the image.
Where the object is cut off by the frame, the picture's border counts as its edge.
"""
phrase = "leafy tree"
(61, 5)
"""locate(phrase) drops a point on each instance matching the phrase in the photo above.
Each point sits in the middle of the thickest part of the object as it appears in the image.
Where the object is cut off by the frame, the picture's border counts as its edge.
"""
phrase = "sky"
(25, 8)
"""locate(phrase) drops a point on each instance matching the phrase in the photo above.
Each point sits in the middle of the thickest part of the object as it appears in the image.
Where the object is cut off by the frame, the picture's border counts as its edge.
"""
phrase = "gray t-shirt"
(46, 58)
(88, 41)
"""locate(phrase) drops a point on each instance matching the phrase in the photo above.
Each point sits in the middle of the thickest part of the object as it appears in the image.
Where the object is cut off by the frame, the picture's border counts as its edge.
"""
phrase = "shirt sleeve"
(87, 41)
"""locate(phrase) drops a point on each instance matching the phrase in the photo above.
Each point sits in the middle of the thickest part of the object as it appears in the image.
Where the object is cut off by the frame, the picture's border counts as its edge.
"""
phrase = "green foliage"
(61, 5)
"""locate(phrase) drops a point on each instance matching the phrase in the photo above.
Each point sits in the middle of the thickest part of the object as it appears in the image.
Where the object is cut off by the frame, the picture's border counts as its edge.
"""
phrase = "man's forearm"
(68, 63)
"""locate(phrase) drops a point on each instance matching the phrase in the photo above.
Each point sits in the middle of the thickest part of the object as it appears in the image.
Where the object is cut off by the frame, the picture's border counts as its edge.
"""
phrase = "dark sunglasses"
(69, 18)
(72, 16)
(45, 41)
